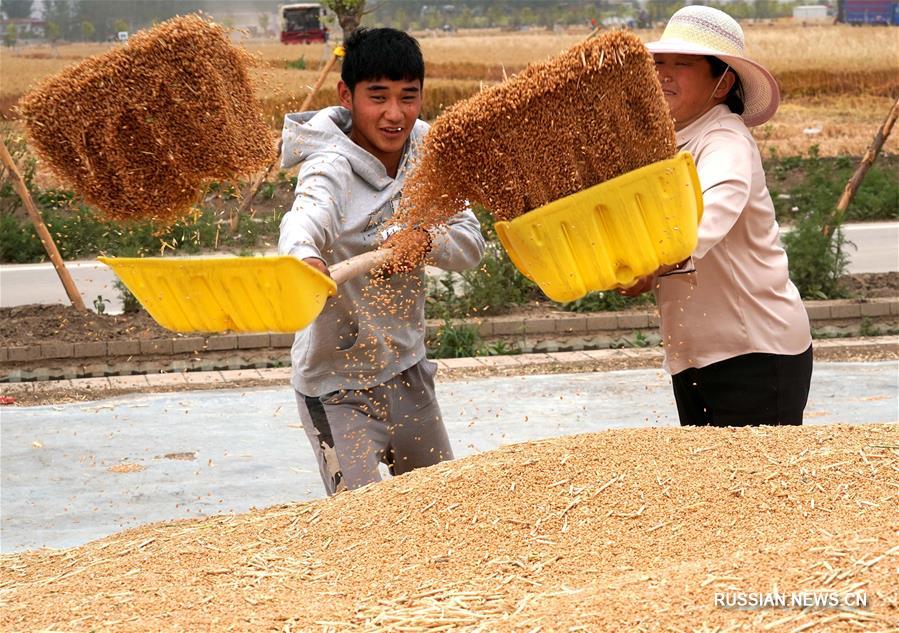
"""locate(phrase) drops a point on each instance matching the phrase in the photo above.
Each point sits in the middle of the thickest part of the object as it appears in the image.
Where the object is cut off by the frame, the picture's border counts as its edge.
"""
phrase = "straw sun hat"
(699, 30)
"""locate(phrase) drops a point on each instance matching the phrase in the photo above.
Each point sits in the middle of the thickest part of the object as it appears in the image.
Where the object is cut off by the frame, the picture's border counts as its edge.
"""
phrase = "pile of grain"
(617, 531)
(592, 113)
(138, 129)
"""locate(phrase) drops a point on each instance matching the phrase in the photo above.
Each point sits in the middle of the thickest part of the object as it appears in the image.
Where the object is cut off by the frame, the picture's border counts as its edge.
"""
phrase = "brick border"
(99, 358)
(281, 376)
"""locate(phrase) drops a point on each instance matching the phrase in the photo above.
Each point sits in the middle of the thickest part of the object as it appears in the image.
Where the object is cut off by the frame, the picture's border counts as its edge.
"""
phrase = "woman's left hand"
(644, 284)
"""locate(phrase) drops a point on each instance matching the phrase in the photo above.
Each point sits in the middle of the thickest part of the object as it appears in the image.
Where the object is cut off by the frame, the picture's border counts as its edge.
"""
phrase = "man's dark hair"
(734, 98)
(385, 53)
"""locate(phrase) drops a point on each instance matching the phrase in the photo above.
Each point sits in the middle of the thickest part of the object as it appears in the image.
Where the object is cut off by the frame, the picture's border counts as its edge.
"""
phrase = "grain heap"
(623, 530)
(137, 130)
(592, 113)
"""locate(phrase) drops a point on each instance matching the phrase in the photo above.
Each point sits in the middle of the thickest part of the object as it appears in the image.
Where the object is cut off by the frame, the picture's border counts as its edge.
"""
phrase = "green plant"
(500, 348)
(455, 340)
(608, 301)
(130, 304)
(867, 328)
(225, 191)
(79, 233)
(298, 64)
(10, 36)
(815, 182)
(640, 340)
(100, 304)
(19, 242)
(26, 164)
(817, 261)
(489, 289)
(268, 189)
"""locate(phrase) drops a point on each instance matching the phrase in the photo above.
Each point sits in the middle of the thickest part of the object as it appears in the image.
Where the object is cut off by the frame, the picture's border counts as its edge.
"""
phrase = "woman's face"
(689, 87)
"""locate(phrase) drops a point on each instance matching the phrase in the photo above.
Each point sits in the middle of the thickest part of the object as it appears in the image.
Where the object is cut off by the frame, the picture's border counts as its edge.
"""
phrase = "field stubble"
(838, 82)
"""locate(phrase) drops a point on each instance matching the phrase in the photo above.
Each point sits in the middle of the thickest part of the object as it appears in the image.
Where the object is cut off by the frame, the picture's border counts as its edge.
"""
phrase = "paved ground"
(75, 472)
(877, 250)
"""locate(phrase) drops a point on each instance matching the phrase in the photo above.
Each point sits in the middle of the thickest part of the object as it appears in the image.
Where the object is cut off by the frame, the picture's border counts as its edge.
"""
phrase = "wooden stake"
(43, 233)
(862, 169)
(257, 183)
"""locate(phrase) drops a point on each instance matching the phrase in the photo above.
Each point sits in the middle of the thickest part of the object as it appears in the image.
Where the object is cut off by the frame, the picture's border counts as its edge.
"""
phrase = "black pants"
(745, 390)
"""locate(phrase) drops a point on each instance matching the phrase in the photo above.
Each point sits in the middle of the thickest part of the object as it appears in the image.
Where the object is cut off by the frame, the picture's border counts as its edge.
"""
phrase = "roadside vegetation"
(805, 190)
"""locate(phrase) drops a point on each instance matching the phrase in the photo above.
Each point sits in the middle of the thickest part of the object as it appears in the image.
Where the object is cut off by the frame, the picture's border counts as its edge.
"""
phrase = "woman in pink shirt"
(736, 334)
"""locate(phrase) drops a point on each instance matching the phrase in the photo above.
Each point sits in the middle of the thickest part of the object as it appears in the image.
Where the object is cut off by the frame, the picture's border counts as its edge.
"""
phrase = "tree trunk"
(349, 14)
(349, 22)
(867, 160)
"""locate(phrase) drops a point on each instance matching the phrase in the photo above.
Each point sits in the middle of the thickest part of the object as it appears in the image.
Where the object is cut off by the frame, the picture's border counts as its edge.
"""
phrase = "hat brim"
(761, 95)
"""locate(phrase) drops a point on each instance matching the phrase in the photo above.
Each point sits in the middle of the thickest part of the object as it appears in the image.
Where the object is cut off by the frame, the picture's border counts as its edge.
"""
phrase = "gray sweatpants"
(397, 423)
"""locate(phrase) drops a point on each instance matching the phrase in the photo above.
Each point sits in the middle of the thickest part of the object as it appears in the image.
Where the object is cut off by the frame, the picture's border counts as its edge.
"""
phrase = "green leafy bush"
(79, 233)
(455, 340)
(492, 288)
(130, 304)
(608, 301)
(817, 261)
(799, 183)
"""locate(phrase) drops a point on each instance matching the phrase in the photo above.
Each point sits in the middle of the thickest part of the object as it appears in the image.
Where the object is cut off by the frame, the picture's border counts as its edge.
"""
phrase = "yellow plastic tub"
(610, 235)
(215, 294)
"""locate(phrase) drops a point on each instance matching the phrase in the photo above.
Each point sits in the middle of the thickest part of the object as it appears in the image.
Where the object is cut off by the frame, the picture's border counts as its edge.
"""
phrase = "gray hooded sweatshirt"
(367, 333)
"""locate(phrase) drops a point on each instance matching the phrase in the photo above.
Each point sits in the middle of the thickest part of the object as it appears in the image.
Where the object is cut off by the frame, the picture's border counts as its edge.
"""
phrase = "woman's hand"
(644, 284)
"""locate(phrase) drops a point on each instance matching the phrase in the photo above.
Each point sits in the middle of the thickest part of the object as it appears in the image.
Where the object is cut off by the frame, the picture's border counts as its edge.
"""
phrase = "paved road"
(877, 250)
(72, 473)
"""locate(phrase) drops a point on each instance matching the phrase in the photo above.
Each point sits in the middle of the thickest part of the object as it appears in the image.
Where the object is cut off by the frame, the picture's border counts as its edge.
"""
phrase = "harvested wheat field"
(613, 531)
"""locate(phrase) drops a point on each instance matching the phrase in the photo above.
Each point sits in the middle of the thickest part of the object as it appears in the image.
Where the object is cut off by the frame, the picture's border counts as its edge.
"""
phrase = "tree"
(263, 22)
(17, 9)
(51, 30)
(349, 14)
(120, 25)
(11, 35)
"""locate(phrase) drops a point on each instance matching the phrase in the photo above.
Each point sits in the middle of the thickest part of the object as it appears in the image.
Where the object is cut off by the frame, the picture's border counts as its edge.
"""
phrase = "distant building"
(811, 14)
(26, 28)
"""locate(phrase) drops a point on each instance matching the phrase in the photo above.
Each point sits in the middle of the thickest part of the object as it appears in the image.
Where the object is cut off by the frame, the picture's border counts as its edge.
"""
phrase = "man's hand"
(318, 265)
(410, 247)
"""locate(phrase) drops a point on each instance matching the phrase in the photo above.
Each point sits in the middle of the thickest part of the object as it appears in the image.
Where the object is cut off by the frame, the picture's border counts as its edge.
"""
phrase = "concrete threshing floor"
(75, 472)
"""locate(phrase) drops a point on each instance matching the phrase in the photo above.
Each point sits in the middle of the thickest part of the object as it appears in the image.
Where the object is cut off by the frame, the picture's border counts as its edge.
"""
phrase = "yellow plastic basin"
(610, 235)
(240, 294)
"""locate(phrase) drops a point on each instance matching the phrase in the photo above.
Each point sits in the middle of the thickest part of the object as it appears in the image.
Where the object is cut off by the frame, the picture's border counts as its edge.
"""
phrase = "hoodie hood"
(307, 134)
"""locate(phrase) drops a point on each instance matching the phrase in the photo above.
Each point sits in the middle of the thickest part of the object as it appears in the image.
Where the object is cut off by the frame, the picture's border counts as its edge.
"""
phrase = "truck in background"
(302, 23)
(881, 12)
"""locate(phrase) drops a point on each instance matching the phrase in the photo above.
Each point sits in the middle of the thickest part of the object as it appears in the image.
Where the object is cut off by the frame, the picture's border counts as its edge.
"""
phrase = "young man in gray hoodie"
(364, 389)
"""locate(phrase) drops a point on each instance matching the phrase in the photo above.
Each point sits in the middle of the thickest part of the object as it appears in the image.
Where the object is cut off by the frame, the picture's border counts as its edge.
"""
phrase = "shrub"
(812, 182)
(19, 243)
(455, 340)
(490, 289)
(79, 233)
(817, 261)
(608, 301)
(130, 304)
